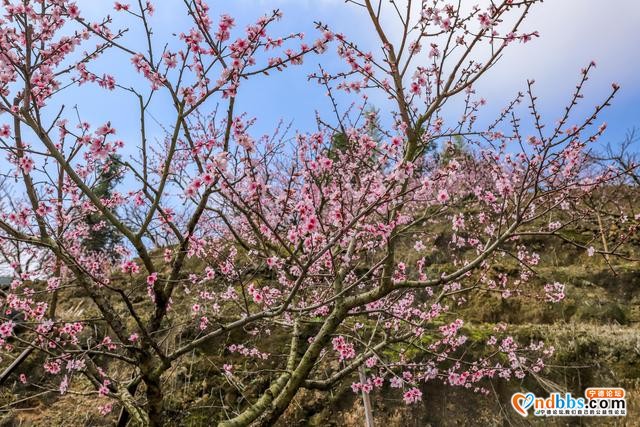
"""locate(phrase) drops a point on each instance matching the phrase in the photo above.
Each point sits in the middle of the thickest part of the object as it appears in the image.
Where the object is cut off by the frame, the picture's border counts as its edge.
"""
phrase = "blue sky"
(573, 32)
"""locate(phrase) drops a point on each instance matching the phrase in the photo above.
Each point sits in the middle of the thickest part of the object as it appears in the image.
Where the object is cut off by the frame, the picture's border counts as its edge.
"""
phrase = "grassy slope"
(596, 332)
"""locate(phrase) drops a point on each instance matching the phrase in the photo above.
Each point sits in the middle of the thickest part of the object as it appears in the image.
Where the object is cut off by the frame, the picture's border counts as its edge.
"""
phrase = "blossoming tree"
(328, 241)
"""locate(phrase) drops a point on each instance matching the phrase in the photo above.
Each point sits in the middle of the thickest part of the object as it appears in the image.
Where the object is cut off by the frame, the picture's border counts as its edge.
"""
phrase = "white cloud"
(574, 32)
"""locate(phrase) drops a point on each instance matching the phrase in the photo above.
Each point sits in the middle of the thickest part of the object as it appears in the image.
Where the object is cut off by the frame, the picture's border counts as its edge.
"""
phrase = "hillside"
(595, 331)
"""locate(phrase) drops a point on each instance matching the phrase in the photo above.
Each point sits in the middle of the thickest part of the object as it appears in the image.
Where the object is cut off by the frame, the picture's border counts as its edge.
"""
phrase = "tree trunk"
(154, 402)
(366, 400)
(125, 415)
(273, 403)
(16, 363)
(282, 401)
(131, 412)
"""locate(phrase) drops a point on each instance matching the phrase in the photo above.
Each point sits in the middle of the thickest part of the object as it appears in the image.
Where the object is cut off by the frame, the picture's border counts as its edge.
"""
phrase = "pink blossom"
(52, 367)
(443, 196)
(345, 350)
(64, 385)
(419, 246)
(554, 292)
(204, 322)
(129, 267)
(6, 329)
(485, 20)
(412, 395)
(26, 164)
(152, 278)
(105, 409)
(371, 362)
(103, 390)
